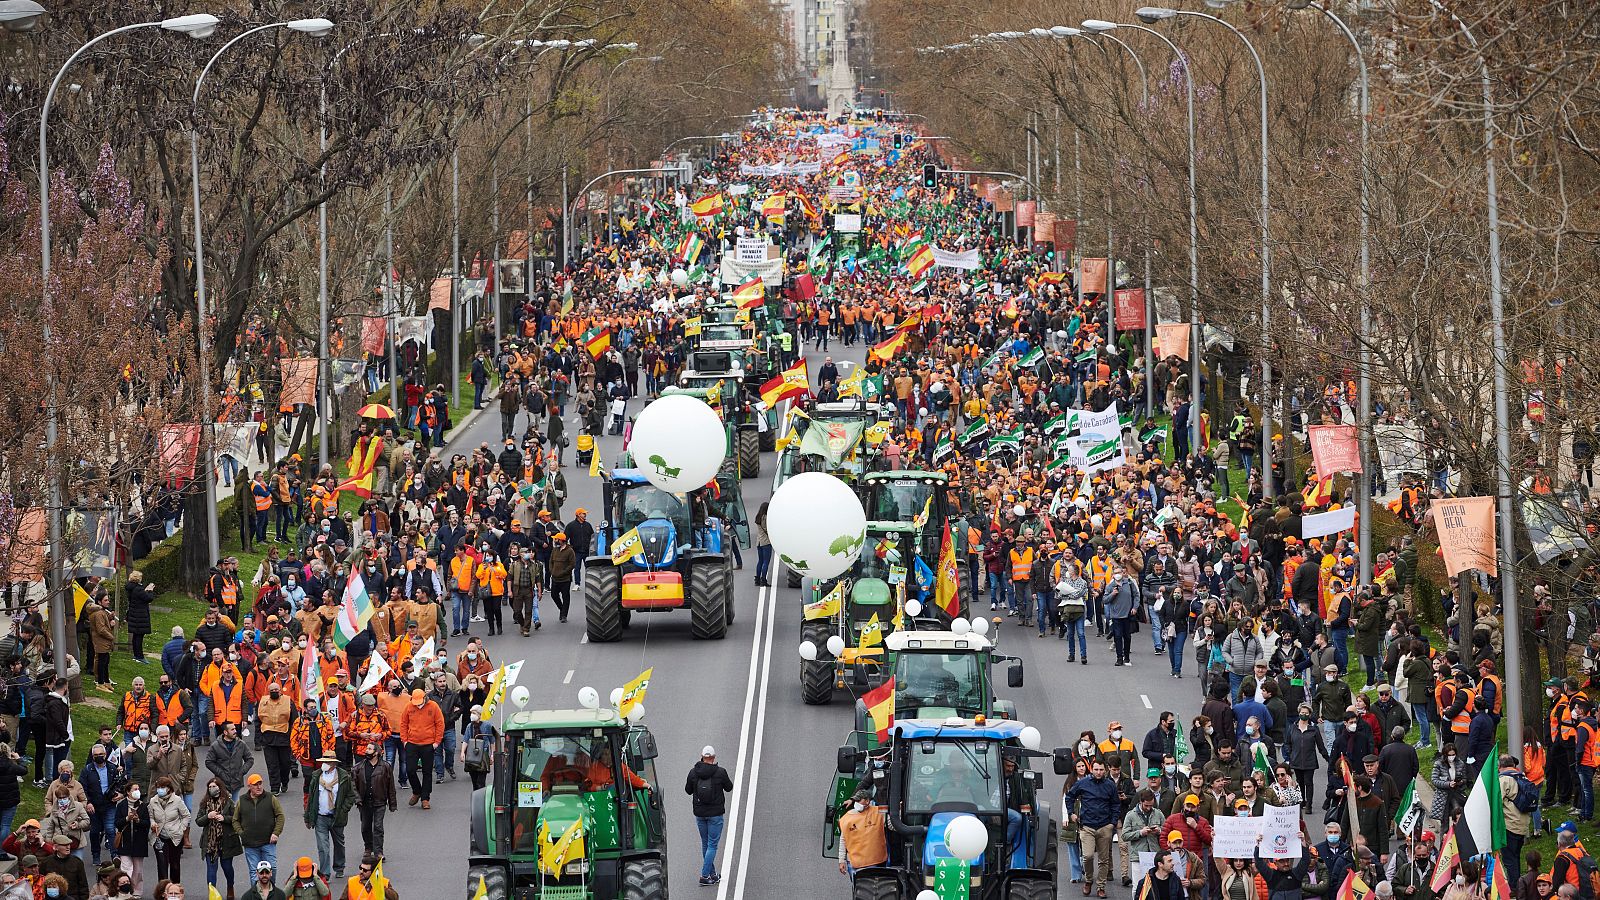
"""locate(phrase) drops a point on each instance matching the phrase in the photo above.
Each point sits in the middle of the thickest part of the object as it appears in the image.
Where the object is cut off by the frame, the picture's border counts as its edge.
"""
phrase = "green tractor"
(931, 772)
(716, 375)
(572, 811)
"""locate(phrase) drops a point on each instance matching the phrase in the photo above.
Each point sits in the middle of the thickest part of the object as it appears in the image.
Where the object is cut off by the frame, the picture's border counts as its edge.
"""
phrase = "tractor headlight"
(580, 867)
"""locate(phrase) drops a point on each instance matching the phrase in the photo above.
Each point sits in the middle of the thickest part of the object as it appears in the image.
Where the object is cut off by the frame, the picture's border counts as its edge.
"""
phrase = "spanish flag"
(880, 706)
(1318, 492)
(791, 382)
(1052, 277)
(842, 159)
(920, 262)
(805, 205)
(709, 206)
(362, 466)
(886, 350)
(597, 340)
(773, 207)
(750, 294)
(947, 589)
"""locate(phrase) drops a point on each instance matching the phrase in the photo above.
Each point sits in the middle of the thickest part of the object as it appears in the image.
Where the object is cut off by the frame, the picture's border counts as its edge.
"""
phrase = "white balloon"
(808, 651)
(520, 696)
(966, 837)
(927, 895)
(835, 642)
(616, 697)
(678, 443)
(913, 608)
(960, 626)
(815, 522)
(680, 278)
(588, 697)
(1030, 737)
(637, 714)
(980, 625)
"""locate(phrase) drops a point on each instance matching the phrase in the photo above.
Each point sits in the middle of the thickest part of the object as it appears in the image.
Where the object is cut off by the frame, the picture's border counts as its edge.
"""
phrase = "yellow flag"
(380, 883)
(79, 598)
(624, 547)
(871, 634)
(482, 893)
(594, 464)
(214, 894)
(499, 682)
(633, 692)
(850, 386)
(691, 326)
(877, 433)
(827, 607)
(714, 394)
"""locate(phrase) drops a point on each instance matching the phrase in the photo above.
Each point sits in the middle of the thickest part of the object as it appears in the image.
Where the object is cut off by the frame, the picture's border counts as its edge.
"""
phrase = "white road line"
(568, 679)
(760, 736)
(744, 728)
(1146, 699)
(584, 639)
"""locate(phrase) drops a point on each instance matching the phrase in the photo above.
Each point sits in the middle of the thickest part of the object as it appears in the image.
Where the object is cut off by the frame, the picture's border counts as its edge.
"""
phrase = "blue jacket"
(172, 654)
(1094, 801)
(1480, 737)
(1244, 709)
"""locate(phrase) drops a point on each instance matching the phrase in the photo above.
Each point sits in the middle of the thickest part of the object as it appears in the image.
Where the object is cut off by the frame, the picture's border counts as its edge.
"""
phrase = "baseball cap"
(303, 866)
(264, 866)
(29, 860)
(1427, 835)
(255, 778)
(1152, 773)
(707, 750)
(1241, 803)
(1174, 835)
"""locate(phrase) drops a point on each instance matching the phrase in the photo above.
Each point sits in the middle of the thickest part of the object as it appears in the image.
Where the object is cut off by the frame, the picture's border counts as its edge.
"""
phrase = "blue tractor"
(679, 562)
(932, 771)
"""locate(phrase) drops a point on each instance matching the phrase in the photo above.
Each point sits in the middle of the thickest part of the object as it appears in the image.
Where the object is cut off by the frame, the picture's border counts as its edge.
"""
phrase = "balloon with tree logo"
(816, 524)
(678, 443)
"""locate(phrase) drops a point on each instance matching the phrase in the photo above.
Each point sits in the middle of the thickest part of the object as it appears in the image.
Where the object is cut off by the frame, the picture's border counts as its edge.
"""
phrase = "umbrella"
(375, 411)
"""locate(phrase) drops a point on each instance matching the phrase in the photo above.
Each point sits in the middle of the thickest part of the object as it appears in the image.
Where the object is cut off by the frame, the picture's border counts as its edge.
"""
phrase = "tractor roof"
(945, 641)
(903, 474)
(629, 476)
(542, 719)
(891, 527)
(954, 727)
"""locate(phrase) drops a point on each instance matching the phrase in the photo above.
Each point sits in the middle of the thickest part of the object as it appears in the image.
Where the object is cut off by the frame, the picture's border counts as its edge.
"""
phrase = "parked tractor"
(680, 562)
(933, 771)
(572, 811)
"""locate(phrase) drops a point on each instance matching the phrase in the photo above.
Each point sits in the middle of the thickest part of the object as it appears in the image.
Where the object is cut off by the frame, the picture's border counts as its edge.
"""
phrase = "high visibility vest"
(263, 496)
(1573, 854)
(1100, 572)
(1558, 718)
(1443, 693)
(1569, 729)
(169, 712)
(1499, 693)
(1591, 749)
(1463, 719)
(137, 711)
(1021, 564)
(227, 707)
(230, 593)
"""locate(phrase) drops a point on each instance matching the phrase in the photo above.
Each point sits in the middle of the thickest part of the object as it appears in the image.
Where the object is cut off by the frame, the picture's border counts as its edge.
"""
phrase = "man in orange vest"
(1587, 747)
(1459, 713)
(138, 710)
(227, 700)
(1560, 761)
(361, 886)
(1021, 570)
(261, 492)
(1492, 688)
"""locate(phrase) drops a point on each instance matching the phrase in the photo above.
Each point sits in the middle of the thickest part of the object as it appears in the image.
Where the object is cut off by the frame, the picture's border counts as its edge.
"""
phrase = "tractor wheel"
(1031, 889)
(708, 600)
(644, 879)
(602, 603)
(791, 578)
(816, 675)
(875, 887)
(727, 579)
(748, 445)
(964, 595)
(768, 439)
(494, 880)
(1052, 852)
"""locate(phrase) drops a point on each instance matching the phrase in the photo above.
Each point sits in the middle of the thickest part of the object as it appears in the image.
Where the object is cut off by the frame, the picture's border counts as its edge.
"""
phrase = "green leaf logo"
(845, 544)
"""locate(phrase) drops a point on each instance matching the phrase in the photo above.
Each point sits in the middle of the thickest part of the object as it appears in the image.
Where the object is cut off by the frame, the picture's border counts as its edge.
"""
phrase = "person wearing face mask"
(219, 837)
(1335, 853)
(1201, 732)
(1160, 741)
(1302, 749)
(1116, 743)
(862, 835)
(525, 579)
(422, 729)
(440, 693)
(327, 812)
(375, 796)
(103, 784)
(132, 839)
(275, 714)
(491, 579)
(1329, 703)
(311, 737)
(63, 880)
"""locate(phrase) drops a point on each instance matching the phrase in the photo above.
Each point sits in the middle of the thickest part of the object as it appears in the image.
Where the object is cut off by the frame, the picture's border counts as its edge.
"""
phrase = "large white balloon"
(680, 277)
(928, 895)
(980, 625)
(966, 837)
(815, 523)
(808, 651)
(588, 697)
(835, 643)
(678, 443)
(616, 697)
(1030, 738)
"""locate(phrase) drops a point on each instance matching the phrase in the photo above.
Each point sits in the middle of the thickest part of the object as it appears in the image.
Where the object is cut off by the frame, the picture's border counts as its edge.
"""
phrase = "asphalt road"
(741, 695)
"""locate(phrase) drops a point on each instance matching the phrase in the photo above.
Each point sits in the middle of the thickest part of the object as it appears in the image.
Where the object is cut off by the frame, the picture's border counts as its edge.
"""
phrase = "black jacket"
(10, 788)
(709, 785)
(138, 617)
(55, 720)
(70, 868)
(116, 783)
(1157, 745)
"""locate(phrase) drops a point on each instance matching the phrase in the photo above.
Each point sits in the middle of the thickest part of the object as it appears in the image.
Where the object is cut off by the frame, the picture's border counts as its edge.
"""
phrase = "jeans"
(1075, 861)
(230, 470)
(372, 828)
(1041, 610)
(330, 840)
(254, 855)
(763, 561)
(1016, 595)
(1233, 685)
(260, 525)
(1122, 638)
(212, 864)
(710, 828)
(6, 815)
(1016, 835)
(394, 753)
(1076, 632)
(1585, 792)
(1340, 638)
(197, 722)
(1370, 663)
(1175, 650)
(446, 755)
(284, 520)
(1329, 730)
(1419, 712)
(102, 826)
(997, 591)
(1155, 628)
(460, 610)
(477, 394)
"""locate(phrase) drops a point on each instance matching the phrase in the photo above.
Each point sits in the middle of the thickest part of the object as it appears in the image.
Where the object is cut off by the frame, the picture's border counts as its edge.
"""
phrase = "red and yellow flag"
(947, 583)
(1449, 858)
(750, 294)
(708, 206)
(362, 466)
(791, 382)
(885, 350)
(880, 706)
(774, 206)
(597, 340)
(920, 262)
(1354, 888)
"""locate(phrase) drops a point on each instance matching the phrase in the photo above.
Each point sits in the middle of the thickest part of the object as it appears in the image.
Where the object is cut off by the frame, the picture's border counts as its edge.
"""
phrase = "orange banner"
(1334, 448)
(1093, 269)
(439, 294)
(373, 332)
(1130, 309)
(180, 445)
(1172, 340)
(1466, 533)
(23, 553)
(299, 380)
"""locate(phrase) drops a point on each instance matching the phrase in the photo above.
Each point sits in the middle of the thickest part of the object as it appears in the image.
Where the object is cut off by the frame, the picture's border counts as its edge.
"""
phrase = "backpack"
(1527, 799)
(708, 793)
(1588, 877)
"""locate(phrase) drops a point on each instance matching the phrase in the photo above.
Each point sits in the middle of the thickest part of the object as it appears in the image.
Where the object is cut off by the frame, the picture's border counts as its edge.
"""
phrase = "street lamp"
(1100, 26)
(1151, 15)
(199, 25)
(20, 15)
(1364, 334)
(315, 28)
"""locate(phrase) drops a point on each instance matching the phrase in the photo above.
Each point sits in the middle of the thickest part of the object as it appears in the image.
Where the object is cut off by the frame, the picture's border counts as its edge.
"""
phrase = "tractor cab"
(667, 522)
(573, 810)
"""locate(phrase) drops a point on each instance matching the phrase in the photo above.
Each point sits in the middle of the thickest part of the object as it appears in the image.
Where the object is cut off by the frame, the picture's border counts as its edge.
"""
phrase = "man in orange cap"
(422, 730)
(563, 565)
(307, 884)
(580, 534)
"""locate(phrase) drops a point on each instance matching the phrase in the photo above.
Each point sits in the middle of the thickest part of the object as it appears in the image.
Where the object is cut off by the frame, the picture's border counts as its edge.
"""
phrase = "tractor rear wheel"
(816, 675)
(1031, 889)
(792, 578)
(708, 600)
(495, 882)
(748, 445)
(768, 439)
(1052, 852)
(644, 879)
(602, 603)
(875, 887)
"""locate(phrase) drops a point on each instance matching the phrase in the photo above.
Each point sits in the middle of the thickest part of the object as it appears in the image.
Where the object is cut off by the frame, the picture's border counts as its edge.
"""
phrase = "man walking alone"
(709, 785)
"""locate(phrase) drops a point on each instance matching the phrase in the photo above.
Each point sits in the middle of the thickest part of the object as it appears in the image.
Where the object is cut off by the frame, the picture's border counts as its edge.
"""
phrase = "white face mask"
(861, 806)
(1330, 678)
(1209, 729)
(133, 794)
(1116, 735)
(1085, 748)
(1350, 727)
(327, 767)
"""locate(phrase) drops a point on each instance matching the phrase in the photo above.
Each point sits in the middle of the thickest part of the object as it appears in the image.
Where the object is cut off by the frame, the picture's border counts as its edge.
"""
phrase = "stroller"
(585, 448)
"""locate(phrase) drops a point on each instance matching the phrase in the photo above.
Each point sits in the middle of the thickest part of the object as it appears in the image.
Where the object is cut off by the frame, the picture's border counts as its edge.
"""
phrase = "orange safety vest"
(169, 712)
(263, 495)
(1499, 693)
(1573, 854)
(1569, 730)
(229, 708)
(1463, 719)
(1558, 715)
(1021, 564)
(137, 711)
(1100, 572)
(1591, 749)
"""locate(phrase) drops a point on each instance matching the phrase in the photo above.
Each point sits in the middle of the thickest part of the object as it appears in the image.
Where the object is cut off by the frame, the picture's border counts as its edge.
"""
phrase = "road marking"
(568, 679)
(760, 737)
(1146, 699)
(584, 639)
(744, 728)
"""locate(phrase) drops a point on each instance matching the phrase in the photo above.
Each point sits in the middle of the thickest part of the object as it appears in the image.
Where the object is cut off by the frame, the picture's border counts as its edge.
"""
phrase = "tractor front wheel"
(644, 879)
(816, 675)
(875, 887)
(602, 603)
(748, 446)
(1031, 889)
(709, 587)
(493, 879)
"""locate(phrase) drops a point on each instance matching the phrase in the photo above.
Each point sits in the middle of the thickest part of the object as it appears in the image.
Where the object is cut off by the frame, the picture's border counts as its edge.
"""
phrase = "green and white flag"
(978, 428)
(1410, 813)
(1011, 441)
(819, 249)
(1031, 358)
(1060, 464)
(1057, 422)
(1180, 746)
(942, 448)
(697, 274)
(1482, 827)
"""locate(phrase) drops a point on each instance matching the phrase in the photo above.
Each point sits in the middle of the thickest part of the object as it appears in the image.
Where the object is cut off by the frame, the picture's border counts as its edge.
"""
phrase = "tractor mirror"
(646, 745)
(1061, 760)
(847, 760)
(1014, 675)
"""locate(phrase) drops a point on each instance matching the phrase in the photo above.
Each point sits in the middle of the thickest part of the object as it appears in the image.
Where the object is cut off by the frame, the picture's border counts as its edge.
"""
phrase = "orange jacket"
(422, 724)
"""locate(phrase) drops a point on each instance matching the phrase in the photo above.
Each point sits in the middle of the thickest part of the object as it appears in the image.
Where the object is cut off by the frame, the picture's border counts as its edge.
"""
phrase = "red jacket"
(1196, 839)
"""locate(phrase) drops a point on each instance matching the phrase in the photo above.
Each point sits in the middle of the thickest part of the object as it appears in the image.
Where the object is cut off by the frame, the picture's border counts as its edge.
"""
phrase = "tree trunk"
(195, 546)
